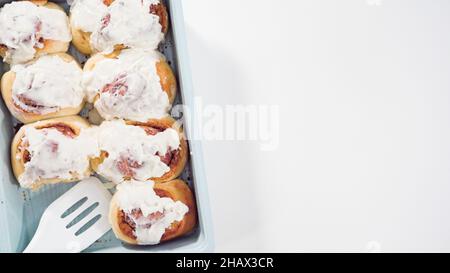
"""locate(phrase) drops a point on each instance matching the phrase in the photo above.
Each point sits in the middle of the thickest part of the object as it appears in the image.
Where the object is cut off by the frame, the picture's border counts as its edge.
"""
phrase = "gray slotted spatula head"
(75, 220)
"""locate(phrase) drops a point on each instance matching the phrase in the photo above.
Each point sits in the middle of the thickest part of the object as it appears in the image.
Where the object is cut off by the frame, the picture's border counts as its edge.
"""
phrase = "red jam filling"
(127, 166)
(160, 11)
(117, 87)
(35, 107)
(127, 221)
(105, 21)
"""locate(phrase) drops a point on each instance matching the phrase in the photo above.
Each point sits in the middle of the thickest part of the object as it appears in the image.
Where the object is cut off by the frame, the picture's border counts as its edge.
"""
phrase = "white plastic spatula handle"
(75, 220)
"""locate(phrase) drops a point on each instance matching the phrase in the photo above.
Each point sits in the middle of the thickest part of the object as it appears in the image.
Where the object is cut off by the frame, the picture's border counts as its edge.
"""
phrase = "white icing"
(22, 24)
(49, 82)
(86, 14)
(135, 70)
(140, 195)
(54, 155)
(130, 147)
(124, 22)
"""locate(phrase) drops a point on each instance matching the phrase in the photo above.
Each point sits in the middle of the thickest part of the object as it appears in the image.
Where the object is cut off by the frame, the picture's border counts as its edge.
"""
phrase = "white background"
(363, 89)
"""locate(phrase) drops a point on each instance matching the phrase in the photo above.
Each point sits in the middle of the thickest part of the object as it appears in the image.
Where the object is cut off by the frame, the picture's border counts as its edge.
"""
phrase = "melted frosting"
(128, 87)
(55, 155)
(47, 85)
(124, 22)
(24, 26)
(135, 156)
(133, 195)
(86, 14)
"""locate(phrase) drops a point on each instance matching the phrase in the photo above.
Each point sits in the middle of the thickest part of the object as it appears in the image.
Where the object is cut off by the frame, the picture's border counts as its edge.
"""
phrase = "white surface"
(364, 92)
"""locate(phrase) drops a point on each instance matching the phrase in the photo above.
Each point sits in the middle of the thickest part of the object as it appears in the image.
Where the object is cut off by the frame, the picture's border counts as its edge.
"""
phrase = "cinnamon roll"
(141, 214)
(133, 85)
(53, 151)
(32, 28)
(44, 88)
(108, 25)
(155, 150)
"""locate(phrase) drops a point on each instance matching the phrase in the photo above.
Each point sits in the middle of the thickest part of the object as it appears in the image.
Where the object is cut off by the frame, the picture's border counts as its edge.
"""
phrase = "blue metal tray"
(20, 209)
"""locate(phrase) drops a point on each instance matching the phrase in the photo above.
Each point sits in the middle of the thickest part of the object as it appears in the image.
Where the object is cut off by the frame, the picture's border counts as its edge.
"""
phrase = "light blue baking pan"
(20, 210)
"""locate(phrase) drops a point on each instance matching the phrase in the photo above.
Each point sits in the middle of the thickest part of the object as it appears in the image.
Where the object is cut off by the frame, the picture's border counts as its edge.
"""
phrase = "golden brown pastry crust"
(177, 190)
(6, 85)
(50, 46)
(181, 154)
(76, 123)
(82, 40)
(167, 79)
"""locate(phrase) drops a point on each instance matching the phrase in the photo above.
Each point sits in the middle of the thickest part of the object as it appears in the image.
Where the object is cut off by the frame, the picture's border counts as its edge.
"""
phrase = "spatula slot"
(82, 215)
(88, 224)
(74, 207)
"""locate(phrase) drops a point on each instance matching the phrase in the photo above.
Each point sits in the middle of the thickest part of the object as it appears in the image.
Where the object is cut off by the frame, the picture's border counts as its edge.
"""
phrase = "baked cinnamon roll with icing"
(145, 214)
(44, 88)
(32, 28)
(108, 25)
(155, 150)
(53, 151)
(133, 85)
